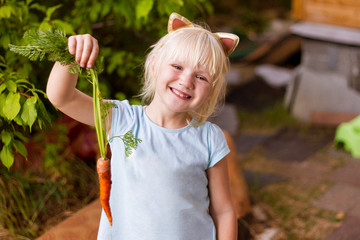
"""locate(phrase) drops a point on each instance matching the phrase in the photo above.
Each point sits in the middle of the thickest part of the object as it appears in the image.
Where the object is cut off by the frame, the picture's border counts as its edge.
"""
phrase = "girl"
(175, 184)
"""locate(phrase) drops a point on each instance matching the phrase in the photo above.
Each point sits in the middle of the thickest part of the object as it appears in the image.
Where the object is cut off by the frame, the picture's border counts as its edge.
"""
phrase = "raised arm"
(61, 87)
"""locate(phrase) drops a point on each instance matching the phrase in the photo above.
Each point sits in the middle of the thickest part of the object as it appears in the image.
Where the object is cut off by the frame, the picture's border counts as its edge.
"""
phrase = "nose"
(187, 80)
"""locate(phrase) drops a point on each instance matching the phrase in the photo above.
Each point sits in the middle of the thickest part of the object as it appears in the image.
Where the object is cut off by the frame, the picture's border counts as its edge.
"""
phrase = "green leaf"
(43, 117)
(20, 148)
(38, 7)
(12, 105)
(105, 9)
(19, 121)
(51, 10)
(173, 6)
(66, 27)
(143, 8)
(29, 113)
(28, 2)
(2, 103)
(125, 9)
(6, 11)
(5, 41)
(6, 137)
(11, 86)
(7, 157)
(45, 26)
(95, 10)
(2, 87)
(21, 136)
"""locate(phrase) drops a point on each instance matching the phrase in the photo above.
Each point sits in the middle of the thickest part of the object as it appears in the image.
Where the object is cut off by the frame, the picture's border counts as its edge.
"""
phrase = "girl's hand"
(85, 48)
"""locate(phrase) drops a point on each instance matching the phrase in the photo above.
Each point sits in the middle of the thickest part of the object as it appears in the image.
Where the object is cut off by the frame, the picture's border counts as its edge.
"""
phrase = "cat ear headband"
(229, 40)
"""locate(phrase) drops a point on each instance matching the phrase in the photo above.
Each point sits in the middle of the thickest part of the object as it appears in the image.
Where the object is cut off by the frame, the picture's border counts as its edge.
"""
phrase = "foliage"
(124, 28)
(30, 199)
(20, 105)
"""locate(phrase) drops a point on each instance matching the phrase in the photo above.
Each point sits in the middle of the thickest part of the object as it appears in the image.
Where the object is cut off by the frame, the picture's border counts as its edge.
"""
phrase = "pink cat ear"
(177, 21)
(229, 40)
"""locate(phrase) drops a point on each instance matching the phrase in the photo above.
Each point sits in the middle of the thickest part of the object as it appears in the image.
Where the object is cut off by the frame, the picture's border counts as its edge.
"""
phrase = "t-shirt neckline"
(150, 122)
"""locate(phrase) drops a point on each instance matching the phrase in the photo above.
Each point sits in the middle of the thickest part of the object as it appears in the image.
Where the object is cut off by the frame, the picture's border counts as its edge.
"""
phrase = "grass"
(268, 120)
(291, 209)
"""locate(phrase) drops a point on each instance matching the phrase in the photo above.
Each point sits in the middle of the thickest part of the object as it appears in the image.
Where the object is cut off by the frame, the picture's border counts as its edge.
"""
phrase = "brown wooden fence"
(335, 12)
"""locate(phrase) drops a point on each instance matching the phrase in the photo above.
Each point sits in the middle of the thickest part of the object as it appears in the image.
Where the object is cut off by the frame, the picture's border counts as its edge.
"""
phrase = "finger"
(79, 49)
(87, 49)
(94, 54)
(72, 45)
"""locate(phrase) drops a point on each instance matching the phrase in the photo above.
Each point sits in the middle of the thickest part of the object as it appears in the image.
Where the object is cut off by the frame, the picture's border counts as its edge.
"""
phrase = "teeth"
(180, 94)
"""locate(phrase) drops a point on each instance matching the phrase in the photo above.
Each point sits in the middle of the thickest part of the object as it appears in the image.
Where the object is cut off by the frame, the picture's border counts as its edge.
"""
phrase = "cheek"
(207, 93)
(209, 90)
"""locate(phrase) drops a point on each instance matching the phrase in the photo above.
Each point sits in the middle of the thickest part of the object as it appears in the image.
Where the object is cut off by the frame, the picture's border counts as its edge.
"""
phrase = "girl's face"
(181, 87)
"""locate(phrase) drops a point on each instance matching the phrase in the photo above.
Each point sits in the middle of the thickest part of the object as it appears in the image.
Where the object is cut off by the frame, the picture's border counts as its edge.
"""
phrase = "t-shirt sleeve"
(218, 147)
(122, 117)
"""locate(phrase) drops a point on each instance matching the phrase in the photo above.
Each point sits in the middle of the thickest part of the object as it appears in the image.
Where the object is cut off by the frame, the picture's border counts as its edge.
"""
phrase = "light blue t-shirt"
(160, 191)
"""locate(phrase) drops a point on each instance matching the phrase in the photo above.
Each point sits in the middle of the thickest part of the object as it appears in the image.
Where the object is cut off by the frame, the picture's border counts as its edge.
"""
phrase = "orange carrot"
(104, 174)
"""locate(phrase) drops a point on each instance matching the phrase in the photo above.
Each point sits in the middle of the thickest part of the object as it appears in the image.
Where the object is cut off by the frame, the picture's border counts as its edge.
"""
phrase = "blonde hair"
(199, 47)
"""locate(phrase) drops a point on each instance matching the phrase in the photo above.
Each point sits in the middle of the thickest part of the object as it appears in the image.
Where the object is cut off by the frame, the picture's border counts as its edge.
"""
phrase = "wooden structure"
(344, 13)
(83, 225)
(326, 87)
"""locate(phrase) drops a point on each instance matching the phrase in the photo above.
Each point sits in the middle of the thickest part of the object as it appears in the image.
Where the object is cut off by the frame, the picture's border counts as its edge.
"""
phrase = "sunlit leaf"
(29, 113)
(2, 103)
(11, 86)
(51, 10)
(143, 8)
(12, 105)
(6, 11)
(66, 27)
(7, 157)
(2, 87)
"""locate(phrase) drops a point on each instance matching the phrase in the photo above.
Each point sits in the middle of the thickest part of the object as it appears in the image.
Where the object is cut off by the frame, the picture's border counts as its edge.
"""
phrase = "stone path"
(292, 157)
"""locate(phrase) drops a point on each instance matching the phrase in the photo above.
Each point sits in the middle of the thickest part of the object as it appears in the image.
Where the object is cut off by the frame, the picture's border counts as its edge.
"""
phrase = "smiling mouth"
(180, 94)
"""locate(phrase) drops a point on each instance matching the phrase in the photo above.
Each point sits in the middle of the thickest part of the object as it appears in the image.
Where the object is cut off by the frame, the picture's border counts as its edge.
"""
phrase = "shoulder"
(211, 129)
(124, 105)
(124, 115)
(216, 142)
(212, 134)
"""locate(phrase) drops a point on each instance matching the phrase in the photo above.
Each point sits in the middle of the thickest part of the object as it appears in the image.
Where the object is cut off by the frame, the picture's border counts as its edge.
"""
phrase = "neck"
(167, 119)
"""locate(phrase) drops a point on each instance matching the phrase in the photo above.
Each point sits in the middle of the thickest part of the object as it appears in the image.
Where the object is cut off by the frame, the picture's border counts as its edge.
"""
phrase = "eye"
(177, 67)
(202, 78)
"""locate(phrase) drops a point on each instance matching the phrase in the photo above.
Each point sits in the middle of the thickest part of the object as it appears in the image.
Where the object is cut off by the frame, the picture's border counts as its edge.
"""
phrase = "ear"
(152, 64)
(177, 21)
(229, 40)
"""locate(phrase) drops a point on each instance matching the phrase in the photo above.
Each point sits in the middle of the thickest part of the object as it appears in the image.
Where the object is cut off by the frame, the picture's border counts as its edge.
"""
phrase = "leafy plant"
(20, 105)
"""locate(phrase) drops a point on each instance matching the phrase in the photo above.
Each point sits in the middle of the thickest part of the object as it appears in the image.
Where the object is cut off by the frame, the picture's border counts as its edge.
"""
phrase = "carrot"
(104, 174)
